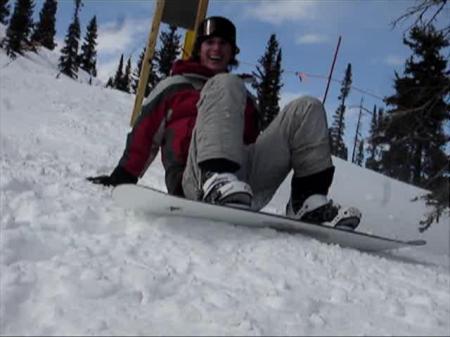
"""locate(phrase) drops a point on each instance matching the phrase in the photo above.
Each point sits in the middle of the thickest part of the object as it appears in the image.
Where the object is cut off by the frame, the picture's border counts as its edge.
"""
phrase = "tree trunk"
(417, 173)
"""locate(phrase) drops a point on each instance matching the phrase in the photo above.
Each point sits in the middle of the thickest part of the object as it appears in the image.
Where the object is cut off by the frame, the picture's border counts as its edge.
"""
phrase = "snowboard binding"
(318, 209)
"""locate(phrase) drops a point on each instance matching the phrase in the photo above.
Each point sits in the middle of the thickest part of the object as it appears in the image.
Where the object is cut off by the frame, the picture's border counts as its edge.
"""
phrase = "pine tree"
(19, 28)
(110, 83)
(414, 129)
(44, 32)
(153, 78)
(268, 82)
(437, 198)
(337, 130)
(380, 119)
(170, 49)
(136, 74)
(119, 74)
(88, 57)
(4, 12)
(374, 140)
(68, 62)
(359, 159)
(125, 80)
(357, 133)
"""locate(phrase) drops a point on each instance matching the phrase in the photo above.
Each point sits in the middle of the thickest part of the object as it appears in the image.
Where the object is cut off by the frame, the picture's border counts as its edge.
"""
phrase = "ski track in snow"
(73, 263)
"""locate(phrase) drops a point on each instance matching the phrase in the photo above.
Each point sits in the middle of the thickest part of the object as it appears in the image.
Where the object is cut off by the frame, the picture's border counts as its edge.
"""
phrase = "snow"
(74, 263)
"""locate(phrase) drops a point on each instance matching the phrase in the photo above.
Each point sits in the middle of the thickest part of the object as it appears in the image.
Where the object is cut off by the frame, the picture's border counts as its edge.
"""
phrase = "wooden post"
(146, 62)
(189, 38)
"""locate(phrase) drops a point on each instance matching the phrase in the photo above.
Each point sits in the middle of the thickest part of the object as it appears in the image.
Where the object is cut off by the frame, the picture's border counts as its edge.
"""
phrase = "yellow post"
(146, 64)
(189, 38)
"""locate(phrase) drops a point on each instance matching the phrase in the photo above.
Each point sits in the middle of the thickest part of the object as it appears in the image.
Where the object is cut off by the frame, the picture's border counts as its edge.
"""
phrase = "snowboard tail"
(154, 202)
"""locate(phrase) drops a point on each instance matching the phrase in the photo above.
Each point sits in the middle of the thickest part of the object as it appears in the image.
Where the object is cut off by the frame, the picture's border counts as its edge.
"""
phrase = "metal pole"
(332, 69)
(146, 62)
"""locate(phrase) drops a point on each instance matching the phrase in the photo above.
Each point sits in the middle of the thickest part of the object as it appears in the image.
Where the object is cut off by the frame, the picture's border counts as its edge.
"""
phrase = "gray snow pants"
(296, 139)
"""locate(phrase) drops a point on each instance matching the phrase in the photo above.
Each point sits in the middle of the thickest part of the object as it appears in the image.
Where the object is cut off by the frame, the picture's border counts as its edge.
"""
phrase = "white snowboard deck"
(154, 202)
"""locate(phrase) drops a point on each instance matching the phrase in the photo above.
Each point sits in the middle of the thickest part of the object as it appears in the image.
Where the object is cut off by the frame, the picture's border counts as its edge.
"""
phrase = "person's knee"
(307, 102)
(306, 106)
(226, 80)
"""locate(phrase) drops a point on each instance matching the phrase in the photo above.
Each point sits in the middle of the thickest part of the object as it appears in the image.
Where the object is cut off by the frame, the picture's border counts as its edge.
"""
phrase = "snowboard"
(158, 203)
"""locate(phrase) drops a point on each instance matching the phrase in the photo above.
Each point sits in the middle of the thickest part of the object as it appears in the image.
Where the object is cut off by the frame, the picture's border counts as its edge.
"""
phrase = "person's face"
(215, 54)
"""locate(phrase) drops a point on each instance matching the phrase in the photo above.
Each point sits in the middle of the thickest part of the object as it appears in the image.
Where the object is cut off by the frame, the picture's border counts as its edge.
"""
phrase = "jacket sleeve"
(146, 136)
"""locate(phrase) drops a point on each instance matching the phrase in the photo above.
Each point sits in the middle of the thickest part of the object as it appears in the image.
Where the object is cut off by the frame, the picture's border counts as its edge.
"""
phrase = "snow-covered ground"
(74, 263)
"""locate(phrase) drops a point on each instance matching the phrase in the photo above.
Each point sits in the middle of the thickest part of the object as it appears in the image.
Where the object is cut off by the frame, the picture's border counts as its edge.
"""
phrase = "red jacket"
(167, 120)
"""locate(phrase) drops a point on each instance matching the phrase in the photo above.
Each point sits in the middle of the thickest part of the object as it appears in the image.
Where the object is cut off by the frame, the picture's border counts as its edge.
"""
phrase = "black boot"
(309, 202)
(304, 187)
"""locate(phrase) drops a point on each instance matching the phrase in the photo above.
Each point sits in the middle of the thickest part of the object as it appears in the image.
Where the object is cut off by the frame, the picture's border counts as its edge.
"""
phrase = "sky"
(307, 31)
(75, 263)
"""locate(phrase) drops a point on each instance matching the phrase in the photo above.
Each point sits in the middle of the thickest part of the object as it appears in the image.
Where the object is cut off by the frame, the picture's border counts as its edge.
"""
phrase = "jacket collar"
(192, 69)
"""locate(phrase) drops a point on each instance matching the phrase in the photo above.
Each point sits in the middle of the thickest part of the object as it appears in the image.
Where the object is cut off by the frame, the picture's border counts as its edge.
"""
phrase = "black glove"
(119, 176)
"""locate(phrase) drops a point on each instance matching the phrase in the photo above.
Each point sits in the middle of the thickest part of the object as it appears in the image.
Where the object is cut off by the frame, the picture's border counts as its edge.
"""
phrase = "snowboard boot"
(225, 189)
(318, 209)
(309, 202)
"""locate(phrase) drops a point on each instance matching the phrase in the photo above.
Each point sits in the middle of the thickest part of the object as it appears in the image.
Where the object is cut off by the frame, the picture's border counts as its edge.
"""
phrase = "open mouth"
(216, 58)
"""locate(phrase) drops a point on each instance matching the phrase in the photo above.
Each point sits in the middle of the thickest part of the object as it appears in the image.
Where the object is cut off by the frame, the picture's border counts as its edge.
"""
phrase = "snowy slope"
(73, 263)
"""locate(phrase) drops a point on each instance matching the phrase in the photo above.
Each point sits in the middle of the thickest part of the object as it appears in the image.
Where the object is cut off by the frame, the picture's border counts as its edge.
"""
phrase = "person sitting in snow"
(205, 122)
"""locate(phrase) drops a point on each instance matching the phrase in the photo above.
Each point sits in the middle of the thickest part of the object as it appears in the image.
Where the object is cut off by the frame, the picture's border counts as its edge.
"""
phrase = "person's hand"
(118, 177)
(101, 180)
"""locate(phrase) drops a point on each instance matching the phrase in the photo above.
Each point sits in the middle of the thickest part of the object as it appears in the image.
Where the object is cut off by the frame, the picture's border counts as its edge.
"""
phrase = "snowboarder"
(205, 122)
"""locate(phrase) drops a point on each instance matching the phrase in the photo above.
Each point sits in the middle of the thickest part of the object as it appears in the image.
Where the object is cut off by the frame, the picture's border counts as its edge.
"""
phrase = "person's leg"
(217, 142)
(296, 139)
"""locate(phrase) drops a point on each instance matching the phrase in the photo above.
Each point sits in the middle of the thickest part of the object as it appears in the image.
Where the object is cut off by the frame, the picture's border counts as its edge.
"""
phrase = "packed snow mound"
(74, 263)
